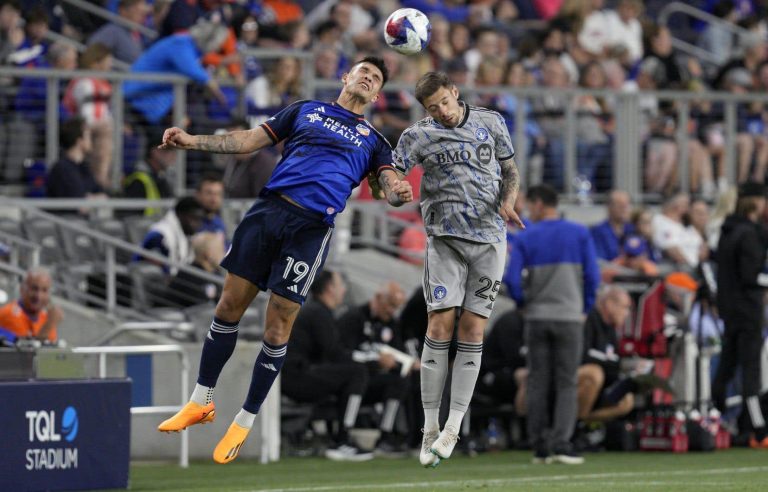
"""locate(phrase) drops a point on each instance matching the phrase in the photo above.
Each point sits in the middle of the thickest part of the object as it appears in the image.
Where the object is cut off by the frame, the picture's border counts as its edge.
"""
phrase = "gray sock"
(434, 370)
(466, 367)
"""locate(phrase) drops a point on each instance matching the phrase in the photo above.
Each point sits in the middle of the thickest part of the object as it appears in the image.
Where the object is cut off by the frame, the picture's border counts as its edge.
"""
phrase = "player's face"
(35, 292)
(444, 106)
(364, 81)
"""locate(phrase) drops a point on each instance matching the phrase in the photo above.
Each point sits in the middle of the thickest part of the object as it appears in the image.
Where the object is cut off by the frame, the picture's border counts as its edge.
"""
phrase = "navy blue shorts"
(279, 246)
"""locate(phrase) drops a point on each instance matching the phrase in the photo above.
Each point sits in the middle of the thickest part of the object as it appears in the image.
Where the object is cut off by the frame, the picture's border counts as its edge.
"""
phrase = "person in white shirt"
(625, 31)
(679, 243)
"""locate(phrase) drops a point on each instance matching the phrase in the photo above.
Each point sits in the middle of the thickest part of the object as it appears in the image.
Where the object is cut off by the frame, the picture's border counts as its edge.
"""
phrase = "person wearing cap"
(633, 260)
(740, 258)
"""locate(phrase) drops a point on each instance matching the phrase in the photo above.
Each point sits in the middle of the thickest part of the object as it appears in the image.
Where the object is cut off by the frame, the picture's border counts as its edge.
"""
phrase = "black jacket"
(504, 348)
(740, 258)
(601, 346)
(314, 339)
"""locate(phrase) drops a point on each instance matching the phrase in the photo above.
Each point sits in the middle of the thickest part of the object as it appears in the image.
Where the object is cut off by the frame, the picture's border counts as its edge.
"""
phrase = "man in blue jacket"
(559, 288)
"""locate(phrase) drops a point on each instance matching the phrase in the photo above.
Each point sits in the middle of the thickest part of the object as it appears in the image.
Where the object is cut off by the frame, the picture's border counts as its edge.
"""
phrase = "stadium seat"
(24, 137)
(148, 284)
(115, 229)
(137, 228)
(10, 227)
(78, 246)
(45, 234)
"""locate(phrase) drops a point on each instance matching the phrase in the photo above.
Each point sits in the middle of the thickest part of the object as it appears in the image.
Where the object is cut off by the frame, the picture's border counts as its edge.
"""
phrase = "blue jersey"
(328, 152)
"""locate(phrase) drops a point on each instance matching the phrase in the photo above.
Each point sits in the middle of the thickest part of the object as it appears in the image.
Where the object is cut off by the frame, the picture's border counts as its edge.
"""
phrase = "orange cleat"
(230, 444)
(190, 414)
(755, 444)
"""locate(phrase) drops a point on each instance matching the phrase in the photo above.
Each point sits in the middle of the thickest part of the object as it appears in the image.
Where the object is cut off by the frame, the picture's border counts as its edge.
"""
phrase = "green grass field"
(736, 469)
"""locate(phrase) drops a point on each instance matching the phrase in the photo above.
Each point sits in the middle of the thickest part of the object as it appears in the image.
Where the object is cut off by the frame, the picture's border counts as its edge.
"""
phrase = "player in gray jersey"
(468, 193)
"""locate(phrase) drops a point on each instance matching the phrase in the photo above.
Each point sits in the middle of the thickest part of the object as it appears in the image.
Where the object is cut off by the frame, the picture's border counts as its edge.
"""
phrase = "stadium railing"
(103, 352)
(626, 143)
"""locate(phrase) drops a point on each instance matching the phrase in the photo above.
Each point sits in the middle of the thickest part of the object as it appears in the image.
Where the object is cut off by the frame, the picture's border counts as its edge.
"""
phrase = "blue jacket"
(562, 272)
(607, 244)
(177, 54)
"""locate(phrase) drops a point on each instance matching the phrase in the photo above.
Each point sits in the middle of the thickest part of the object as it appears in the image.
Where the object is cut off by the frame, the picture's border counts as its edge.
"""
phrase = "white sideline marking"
(520, 480)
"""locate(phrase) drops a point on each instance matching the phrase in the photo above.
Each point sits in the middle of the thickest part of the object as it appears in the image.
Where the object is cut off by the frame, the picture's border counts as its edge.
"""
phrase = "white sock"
(244, 418)
(453, 424)
(202, 395)
(431, 419)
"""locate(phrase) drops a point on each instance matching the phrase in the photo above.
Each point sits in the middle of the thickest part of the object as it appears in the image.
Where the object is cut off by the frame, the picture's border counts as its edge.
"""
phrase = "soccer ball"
(407, 31)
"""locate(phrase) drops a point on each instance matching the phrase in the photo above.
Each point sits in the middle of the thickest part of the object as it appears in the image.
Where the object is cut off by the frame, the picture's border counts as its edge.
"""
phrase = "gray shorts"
(460, 273)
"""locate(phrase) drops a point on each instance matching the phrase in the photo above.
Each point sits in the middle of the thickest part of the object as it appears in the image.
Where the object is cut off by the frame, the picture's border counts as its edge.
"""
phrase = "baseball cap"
(634, 245)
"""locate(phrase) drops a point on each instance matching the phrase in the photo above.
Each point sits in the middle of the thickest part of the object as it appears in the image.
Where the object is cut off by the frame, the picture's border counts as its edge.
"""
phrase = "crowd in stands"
(592, 44)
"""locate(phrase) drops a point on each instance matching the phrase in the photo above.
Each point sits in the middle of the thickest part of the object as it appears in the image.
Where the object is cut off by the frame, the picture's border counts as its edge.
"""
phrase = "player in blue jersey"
(283, 240)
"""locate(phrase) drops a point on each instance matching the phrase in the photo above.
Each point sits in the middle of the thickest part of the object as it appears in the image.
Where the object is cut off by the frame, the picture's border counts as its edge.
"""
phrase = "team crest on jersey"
(314, 117)
(440, 292)
(481, 134)
(363, 130)
(484, 153)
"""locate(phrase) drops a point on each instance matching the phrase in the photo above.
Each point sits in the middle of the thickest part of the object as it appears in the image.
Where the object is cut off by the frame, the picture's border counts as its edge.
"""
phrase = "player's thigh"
(444, 274)
(484, 272)
(254, 243)
(236, 296)
(301, 258)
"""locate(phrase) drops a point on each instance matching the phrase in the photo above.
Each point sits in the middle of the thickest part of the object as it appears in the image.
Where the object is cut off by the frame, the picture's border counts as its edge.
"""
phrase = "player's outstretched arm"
(395, 190)
(237, 142)
(510, 186)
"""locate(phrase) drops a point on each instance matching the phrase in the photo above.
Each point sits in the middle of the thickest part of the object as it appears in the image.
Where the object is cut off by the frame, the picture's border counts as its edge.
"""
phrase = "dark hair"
(37, 15)
(209, 178)
(70, 132)
(326, 26)
(431, 82)
(543, 193)
(187, 205)
(321, 283)
(376, 62)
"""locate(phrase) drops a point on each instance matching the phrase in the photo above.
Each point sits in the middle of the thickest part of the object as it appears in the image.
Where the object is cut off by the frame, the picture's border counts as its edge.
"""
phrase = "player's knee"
(280, 315)
(591, 375)
(627, 403)
(230, 308)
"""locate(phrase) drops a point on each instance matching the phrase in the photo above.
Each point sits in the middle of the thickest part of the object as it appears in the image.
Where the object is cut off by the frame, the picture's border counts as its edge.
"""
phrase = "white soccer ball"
(407, 31)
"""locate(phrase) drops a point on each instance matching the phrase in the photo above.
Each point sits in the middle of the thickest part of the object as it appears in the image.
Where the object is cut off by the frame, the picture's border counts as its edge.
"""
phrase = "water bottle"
(583, 187)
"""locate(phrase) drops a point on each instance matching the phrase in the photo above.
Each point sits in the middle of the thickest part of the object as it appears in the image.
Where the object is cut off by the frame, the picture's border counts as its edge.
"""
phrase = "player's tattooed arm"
(510, 186)
(397, 192)
(236, 142)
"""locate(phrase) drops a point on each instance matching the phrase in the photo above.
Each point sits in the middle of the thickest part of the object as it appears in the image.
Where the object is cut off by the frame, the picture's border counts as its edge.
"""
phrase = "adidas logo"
(293, 289)
(320, 108)
(209, 336)
(469, 364)
(489, 306)
(271, 367)
(431, 361)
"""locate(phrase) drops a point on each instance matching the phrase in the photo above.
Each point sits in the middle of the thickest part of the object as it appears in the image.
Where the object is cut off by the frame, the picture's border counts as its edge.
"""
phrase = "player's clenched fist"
(176, 138)
(403, 190)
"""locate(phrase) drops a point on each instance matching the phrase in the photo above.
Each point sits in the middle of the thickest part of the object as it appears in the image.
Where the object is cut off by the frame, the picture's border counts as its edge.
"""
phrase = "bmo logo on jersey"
(455, 156)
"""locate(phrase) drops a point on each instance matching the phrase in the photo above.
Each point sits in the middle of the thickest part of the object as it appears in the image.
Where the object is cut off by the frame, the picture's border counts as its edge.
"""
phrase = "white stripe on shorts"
(316, 264)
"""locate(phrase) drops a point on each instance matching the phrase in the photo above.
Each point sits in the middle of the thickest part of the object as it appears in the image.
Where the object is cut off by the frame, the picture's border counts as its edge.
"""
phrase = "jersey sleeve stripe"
(270, 132)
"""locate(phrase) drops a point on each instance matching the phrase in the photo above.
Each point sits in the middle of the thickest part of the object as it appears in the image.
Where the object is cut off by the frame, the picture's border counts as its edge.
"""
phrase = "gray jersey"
(461, 187)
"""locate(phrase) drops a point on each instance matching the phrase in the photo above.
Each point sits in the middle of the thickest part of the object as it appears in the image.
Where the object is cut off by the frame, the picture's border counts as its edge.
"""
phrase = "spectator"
(246, 174)
(633, 260)
(550, 114)
(89, 98)
(680, 244)
(716, 39)
(318, 367)
(210, 196)
(327, 61)
(70, 176)
(176, 54)
(365, 330)
(30, 97)
(486, 45)
(608, 235)
(393, 107)
(247, 31)
(32, 51)
(699, 218)
(187, 289)
(279, 87)
(594, 124)
(460, 40)
(642, 224)
(171, 235)
(124, 43)
(149, 180)
(754, 54)
(33, 315)
(439, 48)
(562, 279)
(226, 60)
(625, 34)
(11, 28)
(741, 257)
(658, 41)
